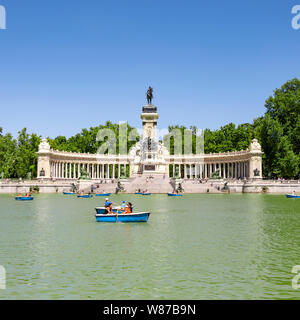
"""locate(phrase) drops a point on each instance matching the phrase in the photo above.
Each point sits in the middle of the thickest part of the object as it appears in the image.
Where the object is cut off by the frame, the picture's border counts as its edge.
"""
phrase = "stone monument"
(43, 169)
(255, 163)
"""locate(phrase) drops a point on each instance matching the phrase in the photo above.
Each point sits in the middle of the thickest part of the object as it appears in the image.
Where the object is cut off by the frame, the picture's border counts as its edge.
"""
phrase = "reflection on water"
(194, 247)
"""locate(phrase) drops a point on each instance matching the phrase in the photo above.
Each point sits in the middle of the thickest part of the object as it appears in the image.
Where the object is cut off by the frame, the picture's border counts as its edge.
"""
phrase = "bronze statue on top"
(150, 95)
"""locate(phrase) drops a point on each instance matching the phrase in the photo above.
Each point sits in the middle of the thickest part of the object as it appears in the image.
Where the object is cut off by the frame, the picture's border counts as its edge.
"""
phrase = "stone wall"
(160, 185)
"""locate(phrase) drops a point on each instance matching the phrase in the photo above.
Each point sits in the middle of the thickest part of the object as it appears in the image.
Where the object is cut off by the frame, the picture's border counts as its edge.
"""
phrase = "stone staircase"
(156, 184)
(108, 187)
(191, 186)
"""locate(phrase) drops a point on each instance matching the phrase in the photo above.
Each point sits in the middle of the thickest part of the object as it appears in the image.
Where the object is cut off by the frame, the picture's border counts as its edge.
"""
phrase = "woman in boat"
(128, 208)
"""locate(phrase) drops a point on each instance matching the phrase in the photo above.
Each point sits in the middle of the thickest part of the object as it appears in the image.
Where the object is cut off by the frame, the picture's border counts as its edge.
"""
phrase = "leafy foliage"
(18, 158)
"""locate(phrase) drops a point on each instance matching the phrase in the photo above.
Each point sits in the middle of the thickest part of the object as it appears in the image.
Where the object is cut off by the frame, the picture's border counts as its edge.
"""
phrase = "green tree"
(26, 154)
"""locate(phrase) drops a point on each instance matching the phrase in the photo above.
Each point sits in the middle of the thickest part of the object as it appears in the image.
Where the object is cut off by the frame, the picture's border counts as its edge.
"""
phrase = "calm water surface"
(194, 247)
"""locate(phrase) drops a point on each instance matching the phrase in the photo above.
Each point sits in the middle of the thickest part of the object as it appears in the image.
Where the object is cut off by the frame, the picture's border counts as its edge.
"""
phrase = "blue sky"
(67, 65)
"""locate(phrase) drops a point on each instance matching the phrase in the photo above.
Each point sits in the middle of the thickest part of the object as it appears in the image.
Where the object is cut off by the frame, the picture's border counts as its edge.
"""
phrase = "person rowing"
(108, 206)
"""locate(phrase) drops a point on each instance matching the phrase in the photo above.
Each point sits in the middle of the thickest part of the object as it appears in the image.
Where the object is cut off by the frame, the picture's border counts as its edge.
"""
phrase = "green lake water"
(194, 247)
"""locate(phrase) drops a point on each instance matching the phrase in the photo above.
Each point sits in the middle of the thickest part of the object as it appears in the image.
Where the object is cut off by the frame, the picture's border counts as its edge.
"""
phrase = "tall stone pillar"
(44, 155)
(255, 160)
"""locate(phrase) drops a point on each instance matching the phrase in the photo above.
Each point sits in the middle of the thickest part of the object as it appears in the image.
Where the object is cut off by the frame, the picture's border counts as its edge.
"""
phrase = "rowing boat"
(124, 217)
(24, 198)
(85, 196)
(292, 196)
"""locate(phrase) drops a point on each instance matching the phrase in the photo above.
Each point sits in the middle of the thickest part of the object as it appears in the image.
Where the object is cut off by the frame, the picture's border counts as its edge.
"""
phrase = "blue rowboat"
(24, 198)
(128, 217)
(101, 210)
(292, 196)
(102, 194)
(85, 196)
(138, 193)
(174, 195)
(146, 194)
(69, 192)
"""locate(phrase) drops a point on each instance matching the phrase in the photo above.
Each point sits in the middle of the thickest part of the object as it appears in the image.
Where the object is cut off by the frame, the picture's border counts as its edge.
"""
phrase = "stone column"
(243, 169)
(58, 169)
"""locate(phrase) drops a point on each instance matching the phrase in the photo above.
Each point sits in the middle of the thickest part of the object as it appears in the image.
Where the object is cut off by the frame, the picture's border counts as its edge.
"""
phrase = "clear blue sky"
(67, 65)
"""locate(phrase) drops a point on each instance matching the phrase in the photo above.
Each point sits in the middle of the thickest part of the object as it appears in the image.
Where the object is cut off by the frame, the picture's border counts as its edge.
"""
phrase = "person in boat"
(123, 206)
(294, 193)
(108, 206)
(128, 208)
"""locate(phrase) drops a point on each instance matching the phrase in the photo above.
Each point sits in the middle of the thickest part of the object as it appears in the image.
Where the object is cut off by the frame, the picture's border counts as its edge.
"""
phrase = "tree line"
(278, 132)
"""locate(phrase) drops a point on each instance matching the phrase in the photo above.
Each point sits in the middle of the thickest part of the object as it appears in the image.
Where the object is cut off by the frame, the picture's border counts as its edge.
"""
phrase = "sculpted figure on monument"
(255, 146)
(150, 95)
(44, 145)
